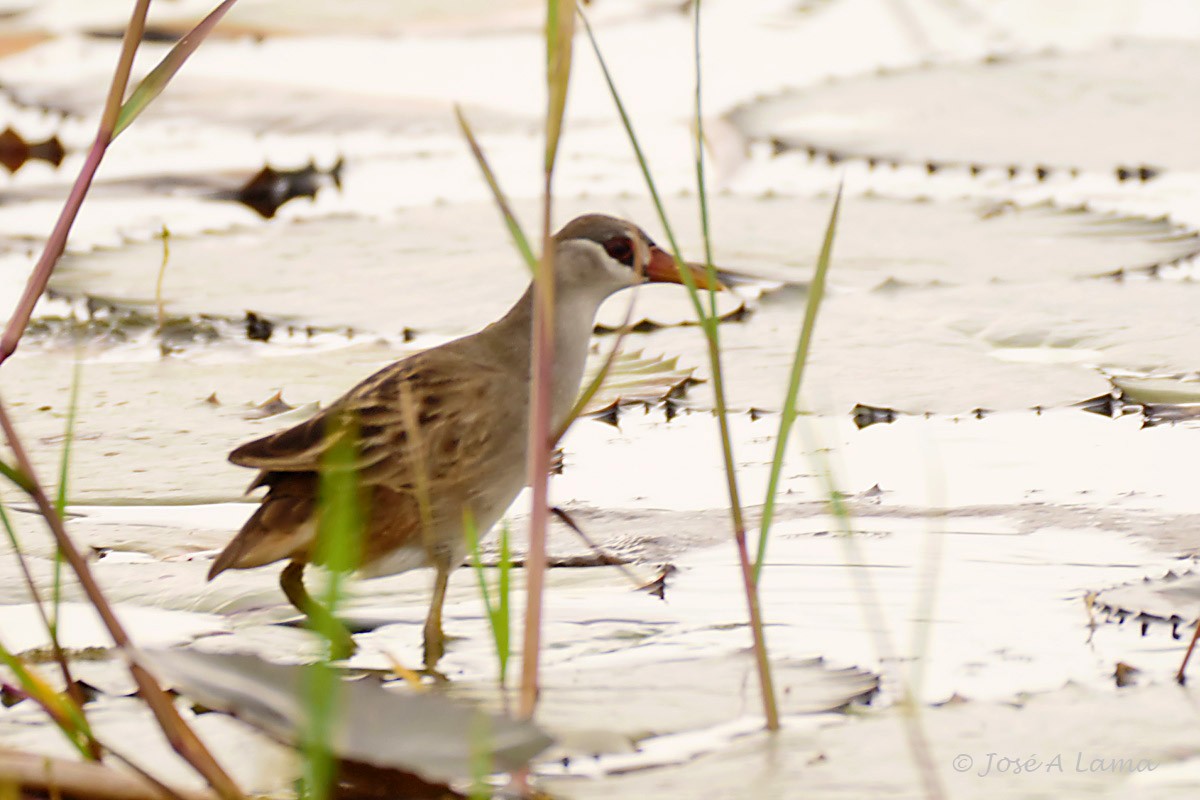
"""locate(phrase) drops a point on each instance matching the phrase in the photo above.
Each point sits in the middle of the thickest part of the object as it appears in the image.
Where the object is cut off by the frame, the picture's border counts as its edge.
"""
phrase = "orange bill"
(663, 268)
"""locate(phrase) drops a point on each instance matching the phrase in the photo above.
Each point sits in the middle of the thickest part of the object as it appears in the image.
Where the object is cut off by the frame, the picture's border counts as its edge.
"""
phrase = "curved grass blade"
(560, 27)
(17, 477)
(874, 621)
(701, 183)
(63, 710)
(60, 498)
(60, 657)
(160, 310)
(56, 242)
(339, 545)
(510, 219)
(787, 416)
(708, 324)
(560, 36)
(182, 738)
(153, 84)
(499, 617)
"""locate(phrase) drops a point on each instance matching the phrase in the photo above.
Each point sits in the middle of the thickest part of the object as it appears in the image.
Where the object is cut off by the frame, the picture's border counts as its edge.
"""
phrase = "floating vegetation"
(1169, 601)
(100, 323)
(15, 150)
(270, 188)
(1059, 113)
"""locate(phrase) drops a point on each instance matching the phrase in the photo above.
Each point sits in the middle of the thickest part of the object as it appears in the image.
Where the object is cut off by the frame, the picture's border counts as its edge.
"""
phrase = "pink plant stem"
(73, 689)
(1181, 675)
(56, 242)
(749, 580)
(541, 369)
(770, 707)
(182, 738)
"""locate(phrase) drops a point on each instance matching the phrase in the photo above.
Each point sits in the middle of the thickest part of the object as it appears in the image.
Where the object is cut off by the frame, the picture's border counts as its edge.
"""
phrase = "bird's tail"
(284, 526)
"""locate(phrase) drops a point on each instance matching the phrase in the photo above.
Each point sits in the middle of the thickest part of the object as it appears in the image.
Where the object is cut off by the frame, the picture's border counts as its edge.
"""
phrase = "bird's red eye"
(620, 249)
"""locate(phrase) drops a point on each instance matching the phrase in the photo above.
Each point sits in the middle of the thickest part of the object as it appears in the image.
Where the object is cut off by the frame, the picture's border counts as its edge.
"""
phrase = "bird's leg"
(604, 556)
(435, 639)
(291, 580)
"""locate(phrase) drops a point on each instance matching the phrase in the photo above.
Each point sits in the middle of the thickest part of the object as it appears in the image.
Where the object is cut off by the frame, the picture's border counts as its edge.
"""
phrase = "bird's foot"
(435, 648)
(435, 673)
(342, 646)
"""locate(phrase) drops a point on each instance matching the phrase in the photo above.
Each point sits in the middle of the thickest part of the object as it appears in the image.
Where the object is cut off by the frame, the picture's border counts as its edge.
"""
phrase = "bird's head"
(607, 254)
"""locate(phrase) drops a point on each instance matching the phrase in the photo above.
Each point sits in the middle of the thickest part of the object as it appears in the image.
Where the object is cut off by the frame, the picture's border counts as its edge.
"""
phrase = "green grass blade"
(787, 416)
(708, 325)
(153, 84)
(64, 463)
(472, 534)
(701, 183)
(497, 610)
(644, 166)
(510, 219)
(73, 692)
(67, 716)
(339, 546)
(16, 476)
(60, 499)
(11, 531)
(871, 607)
(160, 310)
(503, 610)
(481, 758)
(560, 35)
(322, 687)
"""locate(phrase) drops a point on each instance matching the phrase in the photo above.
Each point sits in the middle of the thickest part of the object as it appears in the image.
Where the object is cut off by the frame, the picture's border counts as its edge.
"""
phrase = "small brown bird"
(440, 433)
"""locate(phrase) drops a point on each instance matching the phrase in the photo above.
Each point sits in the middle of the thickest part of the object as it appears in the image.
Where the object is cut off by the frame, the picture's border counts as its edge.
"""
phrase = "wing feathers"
(454, 398)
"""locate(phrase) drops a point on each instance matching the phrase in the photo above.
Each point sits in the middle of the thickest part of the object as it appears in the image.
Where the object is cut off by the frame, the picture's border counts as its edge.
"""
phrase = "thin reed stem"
(560, 29)
(113, 119)
(57, 241)
(182, 738)
(60, 658)
(539, 462)
(871, 607)
(510, 218)
(708, 324)
(790, 410)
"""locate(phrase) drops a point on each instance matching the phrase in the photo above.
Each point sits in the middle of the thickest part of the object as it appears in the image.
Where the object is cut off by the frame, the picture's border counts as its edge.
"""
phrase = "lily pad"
(869, 755)
(1172, 600)
(259, 765)
(144, 427)
(637, 378)
(422, 733)
(645, 698)
(201, 407)
(361, 17)
(965, 286)
(80, 627)
(267, 107)
(1124, 110)
(377, 275)
(1174, 390)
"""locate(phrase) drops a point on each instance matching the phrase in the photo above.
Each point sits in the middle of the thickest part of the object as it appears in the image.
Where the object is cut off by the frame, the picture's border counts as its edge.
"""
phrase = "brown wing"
(452, 402)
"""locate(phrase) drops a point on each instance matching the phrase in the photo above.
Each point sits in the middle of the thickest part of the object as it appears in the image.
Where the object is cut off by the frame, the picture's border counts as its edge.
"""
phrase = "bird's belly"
(449, 537)
(402, 559)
